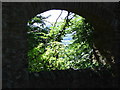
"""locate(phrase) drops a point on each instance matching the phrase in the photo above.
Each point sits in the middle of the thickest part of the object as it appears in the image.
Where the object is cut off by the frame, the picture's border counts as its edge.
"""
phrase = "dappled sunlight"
(60, 40)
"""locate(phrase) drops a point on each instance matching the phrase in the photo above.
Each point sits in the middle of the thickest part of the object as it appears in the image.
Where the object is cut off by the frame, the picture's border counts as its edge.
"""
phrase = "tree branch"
(48, 22)
(62, 31)
(58, 18)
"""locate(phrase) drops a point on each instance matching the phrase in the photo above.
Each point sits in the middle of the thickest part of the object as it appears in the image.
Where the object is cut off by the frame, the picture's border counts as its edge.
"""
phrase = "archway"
(101, 15)
(59, 44)
(48, 49)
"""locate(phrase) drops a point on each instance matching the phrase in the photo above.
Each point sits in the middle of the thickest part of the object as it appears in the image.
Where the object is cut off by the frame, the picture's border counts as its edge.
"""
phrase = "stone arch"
(95, 13)
(103, 17)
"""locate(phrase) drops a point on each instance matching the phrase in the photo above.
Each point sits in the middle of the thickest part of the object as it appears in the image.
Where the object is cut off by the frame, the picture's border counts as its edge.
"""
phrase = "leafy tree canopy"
(47, 52)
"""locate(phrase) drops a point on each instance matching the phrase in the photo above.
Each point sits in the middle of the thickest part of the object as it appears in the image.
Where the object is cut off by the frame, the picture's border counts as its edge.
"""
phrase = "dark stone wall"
(72, 79)
(103, 16)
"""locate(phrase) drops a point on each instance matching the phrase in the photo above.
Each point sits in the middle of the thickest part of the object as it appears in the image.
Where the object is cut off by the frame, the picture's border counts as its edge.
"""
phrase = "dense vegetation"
(47, 52)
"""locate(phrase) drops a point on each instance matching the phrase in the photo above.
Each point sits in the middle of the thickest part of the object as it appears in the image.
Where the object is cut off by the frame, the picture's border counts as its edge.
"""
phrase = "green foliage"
(46, 52)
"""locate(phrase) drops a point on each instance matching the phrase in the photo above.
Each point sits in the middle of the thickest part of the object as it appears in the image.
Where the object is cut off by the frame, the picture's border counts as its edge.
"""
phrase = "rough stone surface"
(72, 79)
(103, 16)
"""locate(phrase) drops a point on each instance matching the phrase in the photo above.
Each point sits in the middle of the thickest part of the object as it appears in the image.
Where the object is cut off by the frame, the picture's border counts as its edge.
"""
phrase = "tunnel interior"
(15, 52)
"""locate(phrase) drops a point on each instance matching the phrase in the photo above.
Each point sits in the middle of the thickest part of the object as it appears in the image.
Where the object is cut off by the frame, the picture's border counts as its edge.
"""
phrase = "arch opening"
(63, 42)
